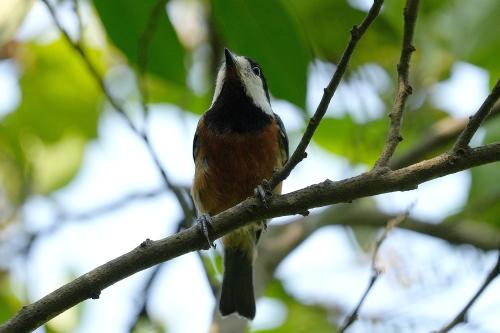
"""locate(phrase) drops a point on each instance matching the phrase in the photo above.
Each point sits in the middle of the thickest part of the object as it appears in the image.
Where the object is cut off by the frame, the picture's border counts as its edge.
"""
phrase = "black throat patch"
(234, 111)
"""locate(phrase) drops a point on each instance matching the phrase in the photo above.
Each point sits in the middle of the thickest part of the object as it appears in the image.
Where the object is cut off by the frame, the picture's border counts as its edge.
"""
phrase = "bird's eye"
(256, 70)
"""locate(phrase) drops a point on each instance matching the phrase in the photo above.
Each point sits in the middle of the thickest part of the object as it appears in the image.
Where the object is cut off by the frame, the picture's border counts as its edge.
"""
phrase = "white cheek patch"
(221, 75)
(253, 85)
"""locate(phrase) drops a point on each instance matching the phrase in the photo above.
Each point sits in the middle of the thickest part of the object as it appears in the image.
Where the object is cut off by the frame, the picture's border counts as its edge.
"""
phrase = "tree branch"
(404, 88)
(300, 152)
(441, 134)
(142, 51)
(376, 271)
(150, 253)
(288, 236)
(462, 315)
(476, 120)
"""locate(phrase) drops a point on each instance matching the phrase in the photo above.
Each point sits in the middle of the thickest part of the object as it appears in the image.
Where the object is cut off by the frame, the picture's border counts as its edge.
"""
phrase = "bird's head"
(242, 75)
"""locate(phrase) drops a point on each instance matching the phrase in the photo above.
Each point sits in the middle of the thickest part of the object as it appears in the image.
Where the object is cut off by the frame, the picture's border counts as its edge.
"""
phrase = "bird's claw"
(262, 193)
(204, 222)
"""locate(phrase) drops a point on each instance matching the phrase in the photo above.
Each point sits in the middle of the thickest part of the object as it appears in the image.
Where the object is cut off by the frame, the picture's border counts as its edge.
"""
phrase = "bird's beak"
(230, 64)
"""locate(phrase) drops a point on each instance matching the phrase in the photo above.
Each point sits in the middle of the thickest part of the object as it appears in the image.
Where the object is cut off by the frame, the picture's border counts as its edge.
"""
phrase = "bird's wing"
(283, 139)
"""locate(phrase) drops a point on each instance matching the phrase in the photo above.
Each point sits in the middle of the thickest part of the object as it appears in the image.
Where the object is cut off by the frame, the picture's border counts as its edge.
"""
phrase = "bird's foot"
(262, 192)
(204, 222)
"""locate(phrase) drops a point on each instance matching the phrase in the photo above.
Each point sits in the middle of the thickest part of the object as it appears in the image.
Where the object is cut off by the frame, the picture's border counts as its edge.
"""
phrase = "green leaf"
(54, 165)
(58, 94)
(327, 24)
(360, 143)
(162, 92)
(363, 142)
(128, 21)
(478, 27)
(58, 113)
(265, 31)
(9, 303)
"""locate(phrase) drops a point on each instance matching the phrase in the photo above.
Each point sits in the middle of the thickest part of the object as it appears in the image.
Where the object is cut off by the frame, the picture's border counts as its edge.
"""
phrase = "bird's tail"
(237, 293)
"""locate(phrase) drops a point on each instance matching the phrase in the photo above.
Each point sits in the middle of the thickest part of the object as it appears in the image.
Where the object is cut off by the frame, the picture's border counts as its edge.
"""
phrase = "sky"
(425, 281)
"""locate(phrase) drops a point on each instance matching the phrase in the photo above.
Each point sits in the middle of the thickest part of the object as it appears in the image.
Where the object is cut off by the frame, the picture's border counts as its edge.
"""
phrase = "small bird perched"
(239, 142)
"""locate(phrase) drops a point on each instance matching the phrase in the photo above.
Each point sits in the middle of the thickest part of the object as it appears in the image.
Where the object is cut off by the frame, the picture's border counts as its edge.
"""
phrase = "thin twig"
(76, 10)
(110, 206)
(179, 194)
(404, 88)
(376, 271)
(63, 217)
(439, 136)
(300, 152)
(476, 120)
(142, 52)
(145, 292)
(461, 317)
(92, 69)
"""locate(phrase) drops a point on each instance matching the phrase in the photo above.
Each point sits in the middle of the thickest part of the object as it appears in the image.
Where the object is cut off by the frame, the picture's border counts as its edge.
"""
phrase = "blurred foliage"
(47, 133)
(264, 30)
(300, 318)
(9, 302)
(42, 141)
(137, 27)
(483, 204)
(363, 142)
(146, 325)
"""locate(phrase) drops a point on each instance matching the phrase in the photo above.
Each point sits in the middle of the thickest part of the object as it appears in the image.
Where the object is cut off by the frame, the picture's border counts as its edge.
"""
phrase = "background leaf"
(58, 113)
(265, 31)
(126, 21)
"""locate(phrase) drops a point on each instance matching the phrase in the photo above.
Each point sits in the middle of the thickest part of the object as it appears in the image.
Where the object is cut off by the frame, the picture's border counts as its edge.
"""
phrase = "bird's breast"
(230, 165)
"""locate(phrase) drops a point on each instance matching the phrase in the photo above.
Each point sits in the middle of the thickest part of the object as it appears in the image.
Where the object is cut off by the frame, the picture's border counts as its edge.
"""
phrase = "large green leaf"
(363, 142)
(160, 91)
(58, 113)
(127, 22)
(327, 24)
(265, 31)
(478, 41)
(58, 94)
(9, 303)
(360, 143)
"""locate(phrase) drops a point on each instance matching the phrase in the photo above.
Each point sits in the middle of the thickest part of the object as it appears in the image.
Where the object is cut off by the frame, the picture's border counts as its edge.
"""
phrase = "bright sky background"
(426, 280)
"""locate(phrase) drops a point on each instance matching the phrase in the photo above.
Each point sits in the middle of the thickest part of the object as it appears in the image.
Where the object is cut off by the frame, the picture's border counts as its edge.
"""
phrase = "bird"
(238, 144)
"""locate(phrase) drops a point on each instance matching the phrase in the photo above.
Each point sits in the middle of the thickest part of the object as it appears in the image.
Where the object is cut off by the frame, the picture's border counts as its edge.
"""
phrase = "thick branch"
(150, 253)
(462, 315)
(404, 88)
(300, 152)
(476, 120)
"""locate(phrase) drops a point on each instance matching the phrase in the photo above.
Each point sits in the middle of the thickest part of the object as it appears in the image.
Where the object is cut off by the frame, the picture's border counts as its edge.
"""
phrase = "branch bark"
(404, 88)
(476, 120)
(151, 253)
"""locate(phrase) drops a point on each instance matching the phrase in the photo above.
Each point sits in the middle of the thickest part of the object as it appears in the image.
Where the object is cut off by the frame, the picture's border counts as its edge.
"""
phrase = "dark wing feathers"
(196, 143)
(283, 139)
